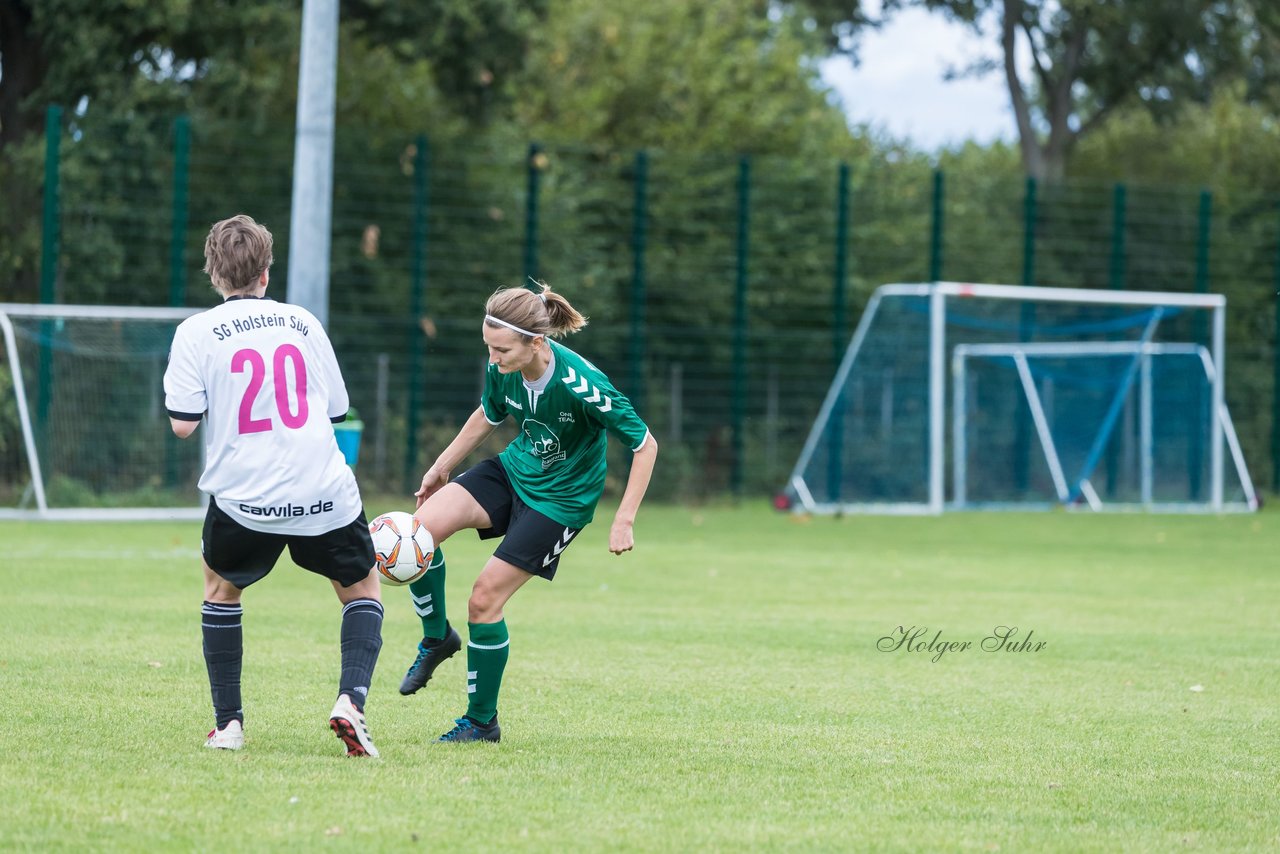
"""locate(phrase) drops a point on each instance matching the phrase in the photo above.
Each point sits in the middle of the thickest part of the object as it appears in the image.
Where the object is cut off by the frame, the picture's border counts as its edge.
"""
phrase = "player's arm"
(185, 398)
(182, 428)
(621, 535)
(475, 431)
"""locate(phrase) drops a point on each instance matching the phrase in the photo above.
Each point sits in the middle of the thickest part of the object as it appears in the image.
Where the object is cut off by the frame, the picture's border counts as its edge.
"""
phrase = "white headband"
(492, 319)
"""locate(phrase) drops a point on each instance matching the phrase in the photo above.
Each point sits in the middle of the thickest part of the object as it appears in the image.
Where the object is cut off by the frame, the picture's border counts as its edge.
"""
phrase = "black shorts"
(531, 541)
(243, 556)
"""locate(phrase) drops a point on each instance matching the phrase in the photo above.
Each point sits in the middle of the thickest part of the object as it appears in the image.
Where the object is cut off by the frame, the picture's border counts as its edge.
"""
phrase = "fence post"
(1119, 203)
(639, 235)
(49, 251)
(533, 169)
(1116, 282)
(838, 341)
(740, 325)
(49, 236)
(1195, 452)
(1029, 233)
(935, 236)
(417, 304)
(835, 437)
(177, 258)
(178, 234)
(1026, 327)
(1275, 358)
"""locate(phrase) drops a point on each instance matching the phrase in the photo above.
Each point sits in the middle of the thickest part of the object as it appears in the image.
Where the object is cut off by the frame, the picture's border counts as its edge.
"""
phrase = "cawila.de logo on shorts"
(543, 442)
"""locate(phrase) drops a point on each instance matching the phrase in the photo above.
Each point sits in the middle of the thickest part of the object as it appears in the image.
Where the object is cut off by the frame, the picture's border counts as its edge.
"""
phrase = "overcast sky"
(899, 86)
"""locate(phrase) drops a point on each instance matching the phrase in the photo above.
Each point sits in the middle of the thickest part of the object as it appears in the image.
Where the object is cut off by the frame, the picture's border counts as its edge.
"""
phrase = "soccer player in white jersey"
(537, 494)
(263, 377)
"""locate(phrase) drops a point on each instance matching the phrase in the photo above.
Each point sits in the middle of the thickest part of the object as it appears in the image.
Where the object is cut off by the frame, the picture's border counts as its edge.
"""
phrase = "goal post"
(945, 400)
(84, 433)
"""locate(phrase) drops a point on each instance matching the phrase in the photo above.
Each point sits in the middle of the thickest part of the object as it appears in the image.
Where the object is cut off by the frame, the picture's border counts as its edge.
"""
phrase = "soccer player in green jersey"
(537, 494)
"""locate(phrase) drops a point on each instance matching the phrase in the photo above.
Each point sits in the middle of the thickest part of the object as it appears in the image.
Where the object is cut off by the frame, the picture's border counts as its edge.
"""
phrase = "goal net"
(83, 427)
(964, 396)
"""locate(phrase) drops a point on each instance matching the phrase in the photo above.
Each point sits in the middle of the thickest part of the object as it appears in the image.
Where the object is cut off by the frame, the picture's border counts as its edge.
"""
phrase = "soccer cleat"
(429, 658)
(347, 723)
(468, 730)
(230, 737)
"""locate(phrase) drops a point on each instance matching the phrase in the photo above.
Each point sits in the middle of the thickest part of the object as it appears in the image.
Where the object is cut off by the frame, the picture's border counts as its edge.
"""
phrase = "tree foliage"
(1089, 59)
(721, 75)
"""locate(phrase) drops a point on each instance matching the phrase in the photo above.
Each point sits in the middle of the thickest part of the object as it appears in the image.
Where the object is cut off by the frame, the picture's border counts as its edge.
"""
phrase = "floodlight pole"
(311, 216)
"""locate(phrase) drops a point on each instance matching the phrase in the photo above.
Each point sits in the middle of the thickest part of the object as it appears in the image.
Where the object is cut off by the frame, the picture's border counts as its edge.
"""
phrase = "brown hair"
(542, 312)
(236, 252)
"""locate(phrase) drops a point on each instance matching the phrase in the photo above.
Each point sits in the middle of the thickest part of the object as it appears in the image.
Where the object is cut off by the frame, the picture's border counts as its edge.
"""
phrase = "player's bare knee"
(220, 591)
(369, 587)
(485, 604)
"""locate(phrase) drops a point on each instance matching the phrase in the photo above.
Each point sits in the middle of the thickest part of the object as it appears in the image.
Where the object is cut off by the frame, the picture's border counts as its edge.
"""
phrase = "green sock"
(487, 652)
(428, 598)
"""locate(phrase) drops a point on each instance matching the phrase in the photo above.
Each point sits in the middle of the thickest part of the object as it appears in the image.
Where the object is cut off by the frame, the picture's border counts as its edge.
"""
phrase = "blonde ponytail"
(542, 313)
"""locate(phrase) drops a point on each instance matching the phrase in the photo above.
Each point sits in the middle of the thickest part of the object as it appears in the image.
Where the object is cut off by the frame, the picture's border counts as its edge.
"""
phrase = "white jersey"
(264, 377)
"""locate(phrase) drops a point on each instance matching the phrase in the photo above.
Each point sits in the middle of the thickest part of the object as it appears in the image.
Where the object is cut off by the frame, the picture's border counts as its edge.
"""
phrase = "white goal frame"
(938, 294)
(53, 312)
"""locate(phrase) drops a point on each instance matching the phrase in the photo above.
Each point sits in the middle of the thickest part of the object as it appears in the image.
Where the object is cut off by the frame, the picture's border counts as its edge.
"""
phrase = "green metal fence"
(721, 289)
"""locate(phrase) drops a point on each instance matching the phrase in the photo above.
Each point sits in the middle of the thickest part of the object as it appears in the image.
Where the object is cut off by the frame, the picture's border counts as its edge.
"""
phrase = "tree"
(123, 70)
(721, 76)
(1088, 59)
(24, 60)
(75, 51)
(475, 47)
(66, 51)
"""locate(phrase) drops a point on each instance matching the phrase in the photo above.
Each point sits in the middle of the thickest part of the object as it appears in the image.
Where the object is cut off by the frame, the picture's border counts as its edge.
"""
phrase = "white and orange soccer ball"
(402, 547)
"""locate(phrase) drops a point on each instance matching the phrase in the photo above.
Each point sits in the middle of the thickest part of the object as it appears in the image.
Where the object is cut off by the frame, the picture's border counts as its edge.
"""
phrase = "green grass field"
(719, 688)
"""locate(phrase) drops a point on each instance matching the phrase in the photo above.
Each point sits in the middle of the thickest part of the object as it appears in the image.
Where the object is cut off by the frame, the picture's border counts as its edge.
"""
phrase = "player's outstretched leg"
(487, 652)
(361, 641)
(439, 640)
(223, 652)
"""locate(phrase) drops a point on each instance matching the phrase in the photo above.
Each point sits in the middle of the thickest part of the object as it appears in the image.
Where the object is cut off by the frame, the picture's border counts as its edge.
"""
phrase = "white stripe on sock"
(482, 646)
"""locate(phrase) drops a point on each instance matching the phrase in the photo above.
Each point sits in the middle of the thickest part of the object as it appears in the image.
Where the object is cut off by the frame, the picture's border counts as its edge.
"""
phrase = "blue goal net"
(990, 396)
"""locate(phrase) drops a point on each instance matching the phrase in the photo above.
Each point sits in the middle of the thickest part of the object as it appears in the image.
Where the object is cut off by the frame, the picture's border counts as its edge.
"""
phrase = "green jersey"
(557, 462)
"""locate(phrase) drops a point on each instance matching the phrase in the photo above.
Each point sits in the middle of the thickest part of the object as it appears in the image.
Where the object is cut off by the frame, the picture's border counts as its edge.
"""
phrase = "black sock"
(223, 652)
(361, 641)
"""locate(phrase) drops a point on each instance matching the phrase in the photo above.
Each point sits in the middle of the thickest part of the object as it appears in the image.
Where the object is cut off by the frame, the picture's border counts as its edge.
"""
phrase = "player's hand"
(621, 537)
(432, 481)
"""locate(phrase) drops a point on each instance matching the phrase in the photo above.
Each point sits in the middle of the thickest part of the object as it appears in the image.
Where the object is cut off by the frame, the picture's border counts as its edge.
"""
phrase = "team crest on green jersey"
(543, 442)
